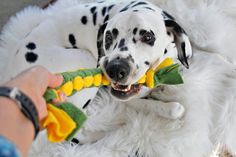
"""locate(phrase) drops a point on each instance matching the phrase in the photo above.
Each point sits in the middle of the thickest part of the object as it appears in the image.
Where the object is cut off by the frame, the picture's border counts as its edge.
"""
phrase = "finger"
(62, 98)
(42, 108)
(55, 80)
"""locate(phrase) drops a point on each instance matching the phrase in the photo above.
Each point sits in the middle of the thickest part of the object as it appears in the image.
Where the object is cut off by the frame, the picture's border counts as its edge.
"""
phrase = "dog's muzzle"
(118, 69)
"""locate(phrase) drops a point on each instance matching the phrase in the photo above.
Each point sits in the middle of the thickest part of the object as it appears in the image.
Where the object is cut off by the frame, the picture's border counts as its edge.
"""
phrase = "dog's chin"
(124, 92)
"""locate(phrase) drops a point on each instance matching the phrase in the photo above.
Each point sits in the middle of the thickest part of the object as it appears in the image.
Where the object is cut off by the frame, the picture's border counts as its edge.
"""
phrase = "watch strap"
(25, 104)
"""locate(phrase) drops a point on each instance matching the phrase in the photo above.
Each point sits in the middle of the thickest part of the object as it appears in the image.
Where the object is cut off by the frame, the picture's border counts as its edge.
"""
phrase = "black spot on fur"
(108, 40)
(72, 40)
(31, 46)
(139, 3)
(137, 67)
(142, 32)
(122, 43)
(94, 18)
(110, 7)
(132, 2)
(124, 49)
(100, 41)
(149, 8)
(130, 58)
(135, 10)
(31, 57)
(134, 41)
(168, 33)
(115, 32)
(147, 63)
(135, 30)
(167, 16)
(152, 32)
(75, 141)
(127, 7)
(106, 19)
(93, 9)
(115, 46)
(165, 52)
(86, 104)
(124, 9)
(104, 9)
(84, 20)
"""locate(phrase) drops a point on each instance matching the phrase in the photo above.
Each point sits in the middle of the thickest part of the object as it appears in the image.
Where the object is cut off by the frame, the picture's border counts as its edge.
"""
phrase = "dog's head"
(132, 41)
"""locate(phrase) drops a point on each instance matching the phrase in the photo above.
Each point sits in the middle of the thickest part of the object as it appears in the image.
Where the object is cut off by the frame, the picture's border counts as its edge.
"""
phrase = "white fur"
(208, 93)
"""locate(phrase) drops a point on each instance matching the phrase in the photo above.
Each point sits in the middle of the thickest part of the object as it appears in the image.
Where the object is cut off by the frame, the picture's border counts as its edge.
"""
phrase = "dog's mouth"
(124, 91)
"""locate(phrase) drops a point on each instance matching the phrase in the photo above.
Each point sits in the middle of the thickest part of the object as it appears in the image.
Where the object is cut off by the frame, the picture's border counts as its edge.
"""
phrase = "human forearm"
(15, 126)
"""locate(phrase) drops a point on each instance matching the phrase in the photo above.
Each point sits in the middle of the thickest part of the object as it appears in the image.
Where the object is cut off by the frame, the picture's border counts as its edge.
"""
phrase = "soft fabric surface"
(121, 129)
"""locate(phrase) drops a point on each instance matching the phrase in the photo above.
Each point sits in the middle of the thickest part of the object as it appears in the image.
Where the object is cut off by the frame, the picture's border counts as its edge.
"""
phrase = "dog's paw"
(86, 136)
(176, 110)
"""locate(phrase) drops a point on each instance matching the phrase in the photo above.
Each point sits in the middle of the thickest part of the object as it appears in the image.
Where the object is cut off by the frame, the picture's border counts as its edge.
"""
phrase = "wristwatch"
(25, 104)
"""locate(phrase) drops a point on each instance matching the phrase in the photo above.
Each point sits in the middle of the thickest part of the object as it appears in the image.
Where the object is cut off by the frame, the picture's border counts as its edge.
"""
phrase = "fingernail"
(62, 96)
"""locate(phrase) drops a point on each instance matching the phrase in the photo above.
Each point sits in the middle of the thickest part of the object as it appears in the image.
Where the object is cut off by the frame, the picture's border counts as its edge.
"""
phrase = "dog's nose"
(118, 69)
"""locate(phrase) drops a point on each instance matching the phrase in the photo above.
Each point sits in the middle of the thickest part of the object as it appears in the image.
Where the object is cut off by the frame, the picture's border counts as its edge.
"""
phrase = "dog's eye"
(108, 39)
(148, 38)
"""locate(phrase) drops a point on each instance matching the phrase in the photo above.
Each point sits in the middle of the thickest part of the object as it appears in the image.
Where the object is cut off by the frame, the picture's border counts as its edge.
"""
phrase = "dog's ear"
(100, 41)
(180, 38)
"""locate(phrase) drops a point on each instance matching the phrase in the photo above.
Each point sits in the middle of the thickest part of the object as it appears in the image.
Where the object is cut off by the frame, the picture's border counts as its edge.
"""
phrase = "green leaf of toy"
(76, 114)
(169, 75)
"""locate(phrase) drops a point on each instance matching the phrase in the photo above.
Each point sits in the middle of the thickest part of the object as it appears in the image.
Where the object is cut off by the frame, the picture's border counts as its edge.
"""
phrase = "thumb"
(55, 80)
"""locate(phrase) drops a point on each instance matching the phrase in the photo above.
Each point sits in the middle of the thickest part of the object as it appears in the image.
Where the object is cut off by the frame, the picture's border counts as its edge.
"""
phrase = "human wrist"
(10, 112)
(16, 127)
(24, 103)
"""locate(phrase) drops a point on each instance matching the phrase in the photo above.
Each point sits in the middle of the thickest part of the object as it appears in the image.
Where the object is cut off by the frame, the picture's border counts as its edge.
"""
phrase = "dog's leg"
(170, 110)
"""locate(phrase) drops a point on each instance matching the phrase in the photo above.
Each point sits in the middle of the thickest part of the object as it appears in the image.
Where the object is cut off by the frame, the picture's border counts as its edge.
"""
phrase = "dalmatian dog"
(125, 38)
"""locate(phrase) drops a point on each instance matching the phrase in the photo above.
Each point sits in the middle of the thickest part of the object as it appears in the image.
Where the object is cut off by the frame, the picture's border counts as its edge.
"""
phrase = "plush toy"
(65, 119)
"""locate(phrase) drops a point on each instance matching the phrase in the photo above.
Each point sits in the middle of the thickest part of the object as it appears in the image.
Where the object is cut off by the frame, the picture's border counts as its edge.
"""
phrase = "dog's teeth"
(113, 86)
(129, 87)
(116, 87)
(125, 90)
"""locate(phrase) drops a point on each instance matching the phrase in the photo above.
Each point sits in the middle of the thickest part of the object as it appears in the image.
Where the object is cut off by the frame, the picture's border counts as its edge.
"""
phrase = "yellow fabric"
(78, 83)
(97, 80)
(67, 88)
(142, 80)
(105, 81)
(58, 124)
(168, 61)
(150, 78)
(150, 73)
(88, 81)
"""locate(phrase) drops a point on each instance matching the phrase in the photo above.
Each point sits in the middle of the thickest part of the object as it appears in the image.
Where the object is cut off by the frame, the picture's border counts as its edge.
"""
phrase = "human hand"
(34, 82)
